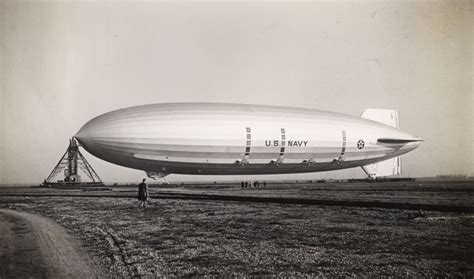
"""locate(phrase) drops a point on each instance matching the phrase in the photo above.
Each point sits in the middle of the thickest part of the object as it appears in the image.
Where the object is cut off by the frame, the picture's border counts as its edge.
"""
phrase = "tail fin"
(388, 167)
(385, 116)
(391, 166)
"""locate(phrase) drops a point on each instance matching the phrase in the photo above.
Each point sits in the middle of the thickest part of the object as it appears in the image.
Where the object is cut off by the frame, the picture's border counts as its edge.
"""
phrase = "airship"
(244, 139)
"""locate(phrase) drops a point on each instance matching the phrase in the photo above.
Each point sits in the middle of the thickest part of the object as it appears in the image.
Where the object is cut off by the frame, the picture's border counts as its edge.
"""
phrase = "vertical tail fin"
(391, 166)
(388, 167)
(385, 116)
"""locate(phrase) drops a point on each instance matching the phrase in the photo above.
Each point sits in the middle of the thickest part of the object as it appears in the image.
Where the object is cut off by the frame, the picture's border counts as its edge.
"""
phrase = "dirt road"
(34, 246)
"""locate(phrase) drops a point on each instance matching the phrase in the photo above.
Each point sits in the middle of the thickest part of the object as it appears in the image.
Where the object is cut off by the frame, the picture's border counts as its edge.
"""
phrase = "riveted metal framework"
(70, 164)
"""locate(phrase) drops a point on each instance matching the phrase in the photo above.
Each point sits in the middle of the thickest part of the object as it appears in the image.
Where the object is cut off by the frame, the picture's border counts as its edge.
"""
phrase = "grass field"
(225, 238)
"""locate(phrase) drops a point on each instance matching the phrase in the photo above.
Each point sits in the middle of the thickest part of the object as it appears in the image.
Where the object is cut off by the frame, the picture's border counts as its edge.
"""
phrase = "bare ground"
(34, 246)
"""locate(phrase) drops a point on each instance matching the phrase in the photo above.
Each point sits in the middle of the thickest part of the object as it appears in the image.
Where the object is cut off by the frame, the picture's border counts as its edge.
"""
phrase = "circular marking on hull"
(360, 144)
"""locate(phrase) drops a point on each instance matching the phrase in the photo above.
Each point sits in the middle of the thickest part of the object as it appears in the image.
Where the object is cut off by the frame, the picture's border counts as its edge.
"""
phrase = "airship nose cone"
(96, 131)
(82, 136)
(86, 132)
(117, 132)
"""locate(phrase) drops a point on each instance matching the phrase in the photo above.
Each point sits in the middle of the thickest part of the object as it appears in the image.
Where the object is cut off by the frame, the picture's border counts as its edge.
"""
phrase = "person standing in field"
(142, 193)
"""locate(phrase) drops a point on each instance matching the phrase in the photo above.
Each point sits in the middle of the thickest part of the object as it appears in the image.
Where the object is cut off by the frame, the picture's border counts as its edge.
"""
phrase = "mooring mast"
(70, 162)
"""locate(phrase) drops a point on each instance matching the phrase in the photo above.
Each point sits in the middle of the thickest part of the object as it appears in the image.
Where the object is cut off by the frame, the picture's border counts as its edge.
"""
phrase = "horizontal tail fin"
(385, 116)
(400, 141)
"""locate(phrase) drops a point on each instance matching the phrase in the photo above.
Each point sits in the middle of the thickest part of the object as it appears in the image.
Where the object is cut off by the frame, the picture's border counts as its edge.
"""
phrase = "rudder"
(385, 116)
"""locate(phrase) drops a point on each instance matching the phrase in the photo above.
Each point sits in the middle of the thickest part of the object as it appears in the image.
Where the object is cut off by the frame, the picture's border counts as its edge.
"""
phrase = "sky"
(63, 63)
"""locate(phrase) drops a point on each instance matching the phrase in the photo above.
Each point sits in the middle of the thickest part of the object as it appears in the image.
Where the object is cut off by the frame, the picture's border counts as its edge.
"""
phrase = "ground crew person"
(142, 193)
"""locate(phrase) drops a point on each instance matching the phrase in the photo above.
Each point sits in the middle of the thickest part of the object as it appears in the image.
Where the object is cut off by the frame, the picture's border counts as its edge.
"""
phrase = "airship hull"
(228, 139)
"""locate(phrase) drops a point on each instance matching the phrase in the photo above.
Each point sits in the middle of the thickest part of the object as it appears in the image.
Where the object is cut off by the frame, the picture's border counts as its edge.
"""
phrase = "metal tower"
(70, 163)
